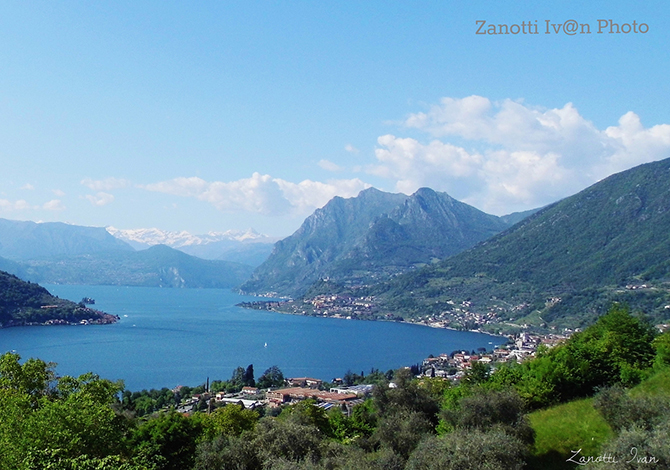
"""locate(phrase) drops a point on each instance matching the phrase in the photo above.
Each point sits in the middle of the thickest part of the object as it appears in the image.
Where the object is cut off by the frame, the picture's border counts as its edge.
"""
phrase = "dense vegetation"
(482, 422)
(24, 302)
(581, 252)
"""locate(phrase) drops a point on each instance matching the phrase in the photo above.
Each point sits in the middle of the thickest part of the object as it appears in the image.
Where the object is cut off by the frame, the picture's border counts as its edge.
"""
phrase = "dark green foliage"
(146, 402)
(469, 450)
(491, 409)
(167, 441)
(401, 431)
(241, 378)
(661, 345)
(406, 397)
(271, 378)
(22, 302)
(231, 420)
(287, 440)
(638, 448)
(306, 413)
(616, 349)
(227, 453)
(44, 419)
(622, 411)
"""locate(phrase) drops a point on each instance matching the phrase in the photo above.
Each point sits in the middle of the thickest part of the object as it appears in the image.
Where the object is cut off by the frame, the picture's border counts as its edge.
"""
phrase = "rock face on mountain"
(370, 238)
(607, 243)
(29, 240)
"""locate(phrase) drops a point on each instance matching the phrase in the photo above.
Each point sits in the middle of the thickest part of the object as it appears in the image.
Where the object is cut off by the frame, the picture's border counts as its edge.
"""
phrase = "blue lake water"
(168, 337)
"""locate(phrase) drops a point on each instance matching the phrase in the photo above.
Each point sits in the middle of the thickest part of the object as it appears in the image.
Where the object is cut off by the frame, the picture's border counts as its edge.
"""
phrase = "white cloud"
(260, 193)
(520, 156)
(100, 199)
(19, 205)
(28, 187)
(105, 185)
(351, 149)
(329, 166)
(53, 205)
(58, 192)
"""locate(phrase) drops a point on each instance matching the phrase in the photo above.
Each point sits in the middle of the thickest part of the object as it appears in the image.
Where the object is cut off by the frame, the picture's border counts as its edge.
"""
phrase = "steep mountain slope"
(23, 303)
(299, 260)
(565, 262)
(370, 238)
(28, 240)
(158, 266)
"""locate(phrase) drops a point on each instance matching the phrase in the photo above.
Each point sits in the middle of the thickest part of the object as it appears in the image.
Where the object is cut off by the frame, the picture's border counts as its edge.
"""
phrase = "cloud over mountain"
(260, 193)
(511, 155)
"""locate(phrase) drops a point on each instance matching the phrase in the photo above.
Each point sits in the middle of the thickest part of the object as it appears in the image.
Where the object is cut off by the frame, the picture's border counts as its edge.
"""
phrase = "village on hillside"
(453, 367)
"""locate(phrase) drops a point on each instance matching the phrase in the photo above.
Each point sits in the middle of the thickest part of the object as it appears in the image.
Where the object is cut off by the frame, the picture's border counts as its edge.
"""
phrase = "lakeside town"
(458, 316)
(352, 389)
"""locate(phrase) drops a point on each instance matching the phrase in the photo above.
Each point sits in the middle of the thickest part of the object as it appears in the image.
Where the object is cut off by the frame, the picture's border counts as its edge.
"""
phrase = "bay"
(168, 337)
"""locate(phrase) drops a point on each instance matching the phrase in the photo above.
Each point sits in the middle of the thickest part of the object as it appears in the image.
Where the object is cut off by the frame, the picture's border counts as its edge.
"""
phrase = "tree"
(249, 376)
(231, 420)
(166, 442)
(271, 378)
(469, 450)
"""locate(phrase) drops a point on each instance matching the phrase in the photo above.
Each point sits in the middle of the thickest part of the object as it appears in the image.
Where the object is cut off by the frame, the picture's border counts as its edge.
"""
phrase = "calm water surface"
(168, 337)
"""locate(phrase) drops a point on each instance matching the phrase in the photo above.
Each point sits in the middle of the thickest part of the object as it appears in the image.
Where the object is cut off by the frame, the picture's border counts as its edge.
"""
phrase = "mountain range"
(246, 247)
(561, 266)
(371, 238)
(57, 253)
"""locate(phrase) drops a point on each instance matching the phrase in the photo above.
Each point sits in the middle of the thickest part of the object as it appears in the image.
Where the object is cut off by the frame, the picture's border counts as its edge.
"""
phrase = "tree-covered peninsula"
(24, 303)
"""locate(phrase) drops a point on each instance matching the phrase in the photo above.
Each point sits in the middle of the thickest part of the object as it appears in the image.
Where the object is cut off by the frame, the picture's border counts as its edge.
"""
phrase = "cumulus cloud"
(351, 149)
(517, 156)
(105, 185)
(53, 205)
(100, 199)
(28, 187)
(58, 192)
(261, 193)
(20, 205)
(329, 166)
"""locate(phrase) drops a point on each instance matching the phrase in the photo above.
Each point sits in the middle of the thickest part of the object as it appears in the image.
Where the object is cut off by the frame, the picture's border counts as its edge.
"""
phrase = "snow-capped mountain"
(249, 247)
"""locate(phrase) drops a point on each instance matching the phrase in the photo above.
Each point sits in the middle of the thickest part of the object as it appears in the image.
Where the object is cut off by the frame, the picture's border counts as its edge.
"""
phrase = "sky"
(214, 116)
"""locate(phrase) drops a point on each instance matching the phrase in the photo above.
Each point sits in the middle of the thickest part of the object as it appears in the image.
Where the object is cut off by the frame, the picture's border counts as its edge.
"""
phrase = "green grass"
(565, 428)
(656, 384)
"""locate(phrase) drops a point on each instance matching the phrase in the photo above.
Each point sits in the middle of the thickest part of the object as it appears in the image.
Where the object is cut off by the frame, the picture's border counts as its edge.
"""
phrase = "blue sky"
(228, 115)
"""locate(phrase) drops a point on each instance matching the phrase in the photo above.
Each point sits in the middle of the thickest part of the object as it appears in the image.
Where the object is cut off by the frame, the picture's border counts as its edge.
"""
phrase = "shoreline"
(260, 303)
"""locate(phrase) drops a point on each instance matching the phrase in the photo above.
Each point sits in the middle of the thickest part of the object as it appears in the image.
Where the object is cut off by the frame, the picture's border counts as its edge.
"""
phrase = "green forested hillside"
(24, 302)
(565, 262)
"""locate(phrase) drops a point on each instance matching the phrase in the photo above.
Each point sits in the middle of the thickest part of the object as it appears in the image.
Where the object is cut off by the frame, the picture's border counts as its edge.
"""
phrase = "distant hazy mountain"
(28, 240)
(158, 266)
(567, 262)
(248, 247)
(372, 237)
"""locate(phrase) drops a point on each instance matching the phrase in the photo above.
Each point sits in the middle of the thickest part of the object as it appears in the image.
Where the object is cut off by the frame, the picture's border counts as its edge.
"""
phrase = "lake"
(168, 337)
